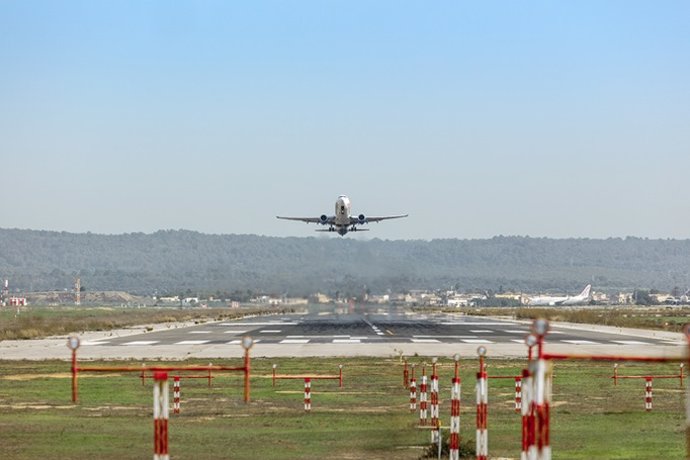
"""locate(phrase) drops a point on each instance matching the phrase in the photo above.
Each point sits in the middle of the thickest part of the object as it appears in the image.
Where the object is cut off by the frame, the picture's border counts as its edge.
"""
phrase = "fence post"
(406, 376)
(340, 375)
(648, 393)
(542, 393)
(413, 391)
(160, 416)
(518, 394)
(422, 398)
(176, 394)
(307, 394)
(434, 401)
(454, 441)
(482, 409)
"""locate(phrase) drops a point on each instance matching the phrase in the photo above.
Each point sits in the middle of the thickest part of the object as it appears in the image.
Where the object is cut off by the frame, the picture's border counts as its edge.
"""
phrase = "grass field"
(367, 419)
(35, 322)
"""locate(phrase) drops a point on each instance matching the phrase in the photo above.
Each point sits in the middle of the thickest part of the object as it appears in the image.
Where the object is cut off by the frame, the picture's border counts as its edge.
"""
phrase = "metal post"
(422, 399)
(648, 394)
(75, 388)
(160, 416)
(176, 394)
(246, 374)
(274, 375)
(454, 438)
(340, 375)
(434, 400)
(307, 395)
(482, 447)
(413, 392)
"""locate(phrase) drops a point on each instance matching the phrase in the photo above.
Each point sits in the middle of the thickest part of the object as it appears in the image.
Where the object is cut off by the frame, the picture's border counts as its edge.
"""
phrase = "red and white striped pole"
(454, 441)
(648, 393)
(542, 393)
(518, 394)
(529, 450)
(422, 398)
(160, 416)
(413, 392)
(434, 401)
(176, 394)
(482, 408)
(307, 395)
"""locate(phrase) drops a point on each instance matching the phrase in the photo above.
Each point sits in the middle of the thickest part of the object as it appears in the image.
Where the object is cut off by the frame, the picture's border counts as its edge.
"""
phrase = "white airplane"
(343, 221)
(581, 298)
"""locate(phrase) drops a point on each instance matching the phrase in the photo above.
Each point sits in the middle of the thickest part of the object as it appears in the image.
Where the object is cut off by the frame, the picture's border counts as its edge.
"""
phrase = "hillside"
(182, 261)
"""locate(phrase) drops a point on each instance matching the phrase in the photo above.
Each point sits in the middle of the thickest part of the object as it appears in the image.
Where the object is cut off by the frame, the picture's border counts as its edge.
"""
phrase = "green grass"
(367, 419)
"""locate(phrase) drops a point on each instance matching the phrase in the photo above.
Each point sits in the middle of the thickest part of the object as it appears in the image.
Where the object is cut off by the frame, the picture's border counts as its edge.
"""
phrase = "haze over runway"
(351, 330)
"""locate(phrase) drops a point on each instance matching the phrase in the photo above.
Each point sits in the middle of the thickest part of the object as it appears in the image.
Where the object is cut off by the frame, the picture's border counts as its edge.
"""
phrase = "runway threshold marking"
(295, 341)
(347, 341)
(192, 342)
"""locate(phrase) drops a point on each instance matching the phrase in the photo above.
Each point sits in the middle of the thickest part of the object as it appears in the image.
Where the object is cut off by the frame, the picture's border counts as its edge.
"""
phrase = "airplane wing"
(324, 220)
(358, 219)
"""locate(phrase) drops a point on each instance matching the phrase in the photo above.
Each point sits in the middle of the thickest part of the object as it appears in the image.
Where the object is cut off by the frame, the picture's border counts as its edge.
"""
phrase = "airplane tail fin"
(586, 291)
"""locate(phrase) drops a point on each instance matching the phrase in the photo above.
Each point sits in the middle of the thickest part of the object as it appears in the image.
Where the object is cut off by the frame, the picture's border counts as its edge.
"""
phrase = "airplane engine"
(362, 218)
(324, 218)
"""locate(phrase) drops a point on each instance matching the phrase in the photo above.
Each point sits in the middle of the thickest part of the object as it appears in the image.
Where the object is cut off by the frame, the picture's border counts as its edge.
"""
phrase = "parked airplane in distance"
(343, 221)
(584, 297)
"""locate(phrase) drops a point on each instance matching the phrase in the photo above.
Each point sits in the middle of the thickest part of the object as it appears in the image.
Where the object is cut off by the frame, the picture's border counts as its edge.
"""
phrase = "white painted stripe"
(295, 341)
(581, 342)
(462, 323)
(94, 342)
(346, 341)
(272, 323)
(424, 341)
(380, 333)
(515, 331)
(192, 342)
(518, 341)
(234, 332)
(341, 336)
(480, 331)
(556, 332)
(199, 332)
(476, 341)
(237, 342)
(141, 342)
(294, 336)
(270, 331)
(359, 338)
(630, 342)
(446, 336)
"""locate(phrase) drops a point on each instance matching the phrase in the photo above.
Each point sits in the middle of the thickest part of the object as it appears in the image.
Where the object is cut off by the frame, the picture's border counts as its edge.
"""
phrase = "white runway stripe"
(234, 332)
(630, 342)
(272, 323)
(141, 342)
(346, 341)
(480, 331)
(199, 332)
(476, 341)
(515, 331)
(237, 342)
(424, 341)
(270, 331)
(581, 342)
(192, 342)
(295, 341)
(93, 342)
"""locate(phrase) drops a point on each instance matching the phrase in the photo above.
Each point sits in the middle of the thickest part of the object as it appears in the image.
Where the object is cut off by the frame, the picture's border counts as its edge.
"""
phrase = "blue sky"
(557, 119)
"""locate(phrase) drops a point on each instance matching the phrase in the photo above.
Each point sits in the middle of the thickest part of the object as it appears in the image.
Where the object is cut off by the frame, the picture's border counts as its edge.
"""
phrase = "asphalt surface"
(350, 331)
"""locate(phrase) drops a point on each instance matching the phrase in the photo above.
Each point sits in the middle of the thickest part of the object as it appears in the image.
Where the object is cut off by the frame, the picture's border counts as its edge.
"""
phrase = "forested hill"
(175, 261)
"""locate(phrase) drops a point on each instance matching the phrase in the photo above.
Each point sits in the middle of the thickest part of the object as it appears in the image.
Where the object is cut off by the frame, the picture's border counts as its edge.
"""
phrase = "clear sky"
(557, 119)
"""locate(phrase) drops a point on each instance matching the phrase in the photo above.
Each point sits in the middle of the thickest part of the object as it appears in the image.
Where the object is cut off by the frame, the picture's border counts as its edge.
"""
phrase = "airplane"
(343, 221)
(583, 297)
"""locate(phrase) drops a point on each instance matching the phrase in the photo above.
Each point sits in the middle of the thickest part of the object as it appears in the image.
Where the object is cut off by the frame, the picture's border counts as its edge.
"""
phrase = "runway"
(353, 331)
